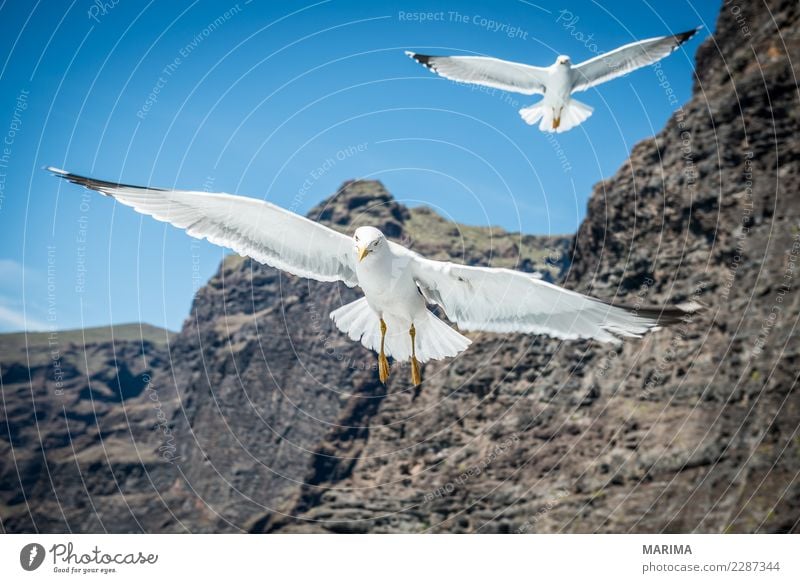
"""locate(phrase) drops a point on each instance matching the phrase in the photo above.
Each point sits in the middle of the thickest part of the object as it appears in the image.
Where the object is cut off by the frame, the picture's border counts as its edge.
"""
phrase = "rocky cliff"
(275, 422)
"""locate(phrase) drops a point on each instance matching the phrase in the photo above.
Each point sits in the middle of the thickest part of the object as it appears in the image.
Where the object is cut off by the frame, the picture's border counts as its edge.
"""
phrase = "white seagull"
(392, 318)
(558, 112)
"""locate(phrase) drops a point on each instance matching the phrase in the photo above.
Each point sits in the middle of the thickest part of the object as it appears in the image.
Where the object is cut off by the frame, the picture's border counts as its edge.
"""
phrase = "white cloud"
(12, 274)
(12, 316)
(10, 269)
(11, 320)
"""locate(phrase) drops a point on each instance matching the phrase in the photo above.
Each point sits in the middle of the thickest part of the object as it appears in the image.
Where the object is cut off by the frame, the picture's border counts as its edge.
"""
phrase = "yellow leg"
(556, 118)
(383, 362)
(416, 379)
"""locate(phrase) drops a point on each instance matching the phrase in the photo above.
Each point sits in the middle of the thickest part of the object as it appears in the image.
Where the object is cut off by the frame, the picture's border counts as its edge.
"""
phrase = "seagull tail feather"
(573, 113)
(359, 322)
(533, 113)
(437, 340)
(434, 338)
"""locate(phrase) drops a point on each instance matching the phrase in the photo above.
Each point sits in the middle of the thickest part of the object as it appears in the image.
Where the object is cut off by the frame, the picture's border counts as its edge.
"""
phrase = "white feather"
(435, 339)
(625, 59)
(502, 300)
(488, 71)
(251, 227)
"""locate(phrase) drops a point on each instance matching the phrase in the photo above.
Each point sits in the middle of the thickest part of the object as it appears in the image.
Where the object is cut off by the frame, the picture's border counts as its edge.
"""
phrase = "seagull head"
(563, 60)
(368, 240)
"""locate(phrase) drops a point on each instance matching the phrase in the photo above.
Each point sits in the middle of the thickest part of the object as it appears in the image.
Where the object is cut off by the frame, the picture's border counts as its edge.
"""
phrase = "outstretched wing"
(502, 300)
(625, 59)
(488, 71)
(255, 228)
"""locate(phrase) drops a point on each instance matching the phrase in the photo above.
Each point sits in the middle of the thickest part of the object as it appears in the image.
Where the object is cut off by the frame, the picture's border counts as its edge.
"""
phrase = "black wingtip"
(671, 315)
(93, 183)
(663, 316)
(424, 60)
(682, 37)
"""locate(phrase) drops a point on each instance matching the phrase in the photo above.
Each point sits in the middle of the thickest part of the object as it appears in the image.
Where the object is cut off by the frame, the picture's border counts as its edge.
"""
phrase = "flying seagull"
(558, 112)
(392, 318)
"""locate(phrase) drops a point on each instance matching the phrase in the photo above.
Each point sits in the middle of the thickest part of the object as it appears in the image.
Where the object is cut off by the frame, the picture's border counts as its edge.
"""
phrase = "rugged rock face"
(278, 423)
(82, 440)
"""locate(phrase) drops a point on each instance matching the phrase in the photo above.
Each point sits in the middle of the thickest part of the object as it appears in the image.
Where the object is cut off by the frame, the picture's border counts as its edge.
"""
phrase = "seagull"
(558, 112)
(393, 317)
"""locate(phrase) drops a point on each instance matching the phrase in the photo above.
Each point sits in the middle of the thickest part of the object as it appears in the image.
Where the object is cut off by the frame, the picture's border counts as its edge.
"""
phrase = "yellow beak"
(362, 252)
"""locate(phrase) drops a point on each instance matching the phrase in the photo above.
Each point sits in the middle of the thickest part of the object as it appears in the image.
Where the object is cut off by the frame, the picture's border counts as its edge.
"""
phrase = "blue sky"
(158, 94)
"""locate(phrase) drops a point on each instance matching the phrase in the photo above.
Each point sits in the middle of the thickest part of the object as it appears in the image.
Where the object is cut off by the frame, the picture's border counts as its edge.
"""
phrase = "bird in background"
(557, 111)
(392, 318)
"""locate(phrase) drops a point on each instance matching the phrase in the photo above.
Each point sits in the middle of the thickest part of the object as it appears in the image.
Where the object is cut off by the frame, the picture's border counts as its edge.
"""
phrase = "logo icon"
(31, 556)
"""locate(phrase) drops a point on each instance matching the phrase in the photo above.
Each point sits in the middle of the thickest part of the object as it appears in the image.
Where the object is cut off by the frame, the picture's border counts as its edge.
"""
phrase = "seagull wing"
(255, 228)
(503, 300)
(625, 59)
(488, 71)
